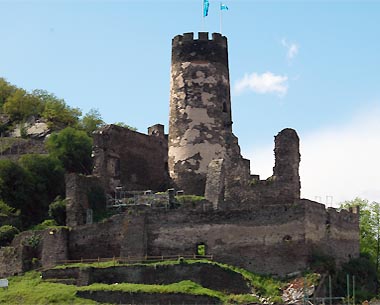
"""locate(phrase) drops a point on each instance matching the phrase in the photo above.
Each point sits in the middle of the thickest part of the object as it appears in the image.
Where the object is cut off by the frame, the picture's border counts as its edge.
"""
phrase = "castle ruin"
(261, 225)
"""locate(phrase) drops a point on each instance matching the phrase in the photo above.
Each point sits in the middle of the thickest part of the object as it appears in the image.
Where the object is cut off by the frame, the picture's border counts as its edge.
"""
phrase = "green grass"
(29, 289)
(265, 287)
(187, 287)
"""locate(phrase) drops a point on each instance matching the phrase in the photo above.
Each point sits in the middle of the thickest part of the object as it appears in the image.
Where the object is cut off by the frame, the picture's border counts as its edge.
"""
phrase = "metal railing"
(137, 259)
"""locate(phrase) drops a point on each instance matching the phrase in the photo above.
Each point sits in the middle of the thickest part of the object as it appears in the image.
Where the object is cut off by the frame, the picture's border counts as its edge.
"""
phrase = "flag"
(223, 7)
(206, 4)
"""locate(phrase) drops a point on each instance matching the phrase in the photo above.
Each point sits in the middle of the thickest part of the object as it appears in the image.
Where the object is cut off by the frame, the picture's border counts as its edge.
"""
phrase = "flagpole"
(220, 14)
(203, 16)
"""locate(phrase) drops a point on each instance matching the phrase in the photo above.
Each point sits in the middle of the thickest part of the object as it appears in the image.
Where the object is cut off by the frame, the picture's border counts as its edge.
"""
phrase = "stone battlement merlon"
(202, 36)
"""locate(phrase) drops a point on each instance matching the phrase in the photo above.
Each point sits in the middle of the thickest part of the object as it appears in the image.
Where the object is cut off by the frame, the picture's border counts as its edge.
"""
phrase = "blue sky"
(309, 65)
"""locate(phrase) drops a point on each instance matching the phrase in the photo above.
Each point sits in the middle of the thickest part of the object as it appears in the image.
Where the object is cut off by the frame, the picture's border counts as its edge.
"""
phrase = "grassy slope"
(30, 289)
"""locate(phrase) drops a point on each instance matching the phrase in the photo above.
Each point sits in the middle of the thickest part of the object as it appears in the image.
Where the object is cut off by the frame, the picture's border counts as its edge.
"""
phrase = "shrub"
(97, 201)
(48, 223)
(57, 210)
(364, 271)
(7, 233)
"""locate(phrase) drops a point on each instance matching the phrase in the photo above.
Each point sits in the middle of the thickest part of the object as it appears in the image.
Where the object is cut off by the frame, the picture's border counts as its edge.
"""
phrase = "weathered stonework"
(124, 157)
(200, 127)
(215, 182)
(34, 249)
(77, 203)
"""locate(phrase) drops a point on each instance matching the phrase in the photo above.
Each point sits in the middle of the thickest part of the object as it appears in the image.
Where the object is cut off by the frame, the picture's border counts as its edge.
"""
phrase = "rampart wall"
(123, 157)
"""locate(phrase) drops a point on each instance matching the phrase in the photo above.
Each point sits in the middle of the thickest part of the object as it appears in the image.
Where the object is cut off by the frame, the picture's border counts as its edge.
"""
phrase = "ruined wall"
(77, 192)
(98, 239)
(332, 232)
(33, 249)
(54, 246)
(200, 126)
(10, 261)
(123, 157)
(120, 235)
(287, 161)
(283, 187)
(268, 239)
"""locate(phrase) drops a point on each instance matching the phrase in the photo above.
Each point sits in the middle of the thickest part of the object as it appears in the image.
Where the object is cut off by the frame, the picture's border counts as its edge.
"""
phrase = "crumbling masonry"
(261, 225)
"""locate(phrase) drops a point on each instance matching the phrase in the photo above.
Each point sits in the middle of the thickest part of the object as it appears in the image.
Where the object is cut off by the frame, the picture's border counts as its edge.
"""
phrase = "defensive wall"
(268, 239)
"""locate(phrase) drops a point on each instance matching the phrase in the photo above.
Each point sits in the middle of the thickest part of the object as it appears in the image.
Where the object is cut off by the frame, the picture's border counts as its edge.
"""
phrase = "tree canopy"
(73, 148)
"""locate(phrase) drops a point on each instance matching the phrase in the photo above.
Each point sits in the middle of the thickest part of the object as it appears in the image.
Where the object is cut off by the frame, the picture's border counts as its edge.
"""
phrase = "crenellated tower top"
(187, 49)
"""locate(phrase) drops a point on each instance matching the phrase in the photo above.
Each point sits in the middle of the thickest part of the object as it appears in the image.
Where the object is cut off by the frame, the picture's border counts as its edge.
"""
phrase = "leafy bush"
(6, 210)
(7, 233)
(322, 263)
(48, 223)
(364, 271)
(57, 210)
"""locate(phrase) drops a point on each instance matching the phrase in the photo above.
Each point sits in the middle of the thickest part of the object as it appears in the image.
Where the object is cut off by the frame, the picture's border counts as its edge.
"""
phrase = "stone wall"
(54, 246)
(283, 187)
(120, 297)
(33, 249)
(14, 148)
(287, 161)
(98, 240)
(256, 239)
(268, 239)
(10, 261)
(331, 232)
(77, 198)
(123, 157)
(207, 275)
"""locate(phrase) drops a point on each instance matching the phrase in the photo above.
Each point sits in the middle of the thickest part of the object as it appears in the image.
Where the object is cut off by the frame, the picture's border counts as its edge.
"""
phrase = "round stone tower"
(200, 108)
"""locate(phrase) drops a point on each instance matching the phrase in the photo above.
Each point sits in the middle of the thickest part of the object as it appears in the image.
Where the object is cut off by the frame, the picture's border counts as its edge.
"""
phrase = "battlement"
(202, 36)
(185, 48)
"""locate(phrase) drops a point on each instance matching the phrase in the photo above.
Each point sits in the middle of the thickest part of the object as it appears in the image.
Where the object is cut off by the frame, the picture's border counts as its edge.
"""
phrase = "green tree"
(16, 189)
(91, 121)
(15, 184)
(20, 105)
(73, 148)
(47, 179)
(368, 225)
(58, 113)
(6, 90)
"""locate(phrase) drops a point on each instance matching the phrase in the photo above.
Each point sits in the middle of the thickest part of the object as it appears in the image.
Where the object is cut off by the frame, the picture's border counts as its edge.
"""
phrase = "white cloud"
(291, 47)
(263, 83)
(338, 161)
